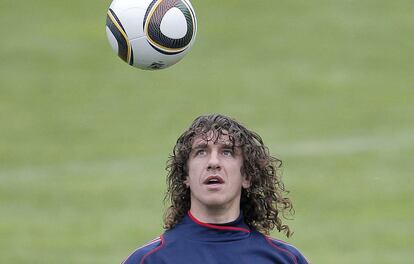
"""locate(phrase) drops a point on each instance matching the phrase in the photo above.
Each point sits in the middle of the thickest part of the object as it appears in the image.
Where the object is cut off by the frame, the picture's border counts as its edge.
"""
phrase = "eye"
(228, 152)
(200, 152)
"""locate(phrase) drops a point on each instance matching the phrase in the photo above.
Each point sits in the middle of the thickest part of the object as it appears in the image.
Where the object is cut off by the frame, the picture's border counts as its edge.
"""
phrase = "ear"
(246, 182)
(187, 184)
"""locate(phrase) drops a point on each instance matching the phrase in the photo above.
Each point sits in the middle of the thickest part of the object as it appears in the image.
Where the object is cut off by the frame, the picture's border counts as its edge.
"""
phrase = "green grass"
(84, 137)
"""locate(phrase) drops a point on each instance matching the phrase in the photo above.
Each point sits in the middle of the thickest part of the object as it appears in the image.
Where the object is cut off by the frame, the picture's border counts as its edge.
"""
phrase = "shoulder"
(288, 249)
(139, 254)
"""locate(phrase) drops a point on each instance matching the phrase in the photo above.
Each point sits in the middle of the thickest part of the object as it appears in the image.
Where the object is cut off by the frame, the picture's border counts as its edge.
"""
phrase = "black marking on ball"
(115, 27)
(172, 46)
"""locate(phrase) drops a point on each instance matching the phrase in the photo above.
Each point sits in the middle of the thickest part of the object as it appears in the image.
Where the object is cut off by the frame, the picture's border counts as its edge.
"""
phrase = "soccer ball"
(151, 34)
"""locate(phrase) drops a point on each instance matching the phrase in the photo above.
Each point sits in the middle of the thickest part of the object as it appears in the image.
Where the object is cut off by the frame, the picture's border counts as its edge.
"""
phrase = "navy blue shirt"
(193, 242)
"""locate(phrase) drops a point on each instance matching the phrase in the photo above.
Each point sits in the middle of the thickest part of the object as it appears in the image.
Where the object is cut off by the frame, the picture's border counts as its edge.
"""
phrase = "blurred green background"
(84, 137)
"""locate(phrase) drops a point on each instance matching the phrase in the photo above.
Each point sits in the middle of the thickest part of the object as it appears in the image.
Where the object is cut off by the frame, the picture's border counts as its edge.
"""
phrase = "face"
(214, 174)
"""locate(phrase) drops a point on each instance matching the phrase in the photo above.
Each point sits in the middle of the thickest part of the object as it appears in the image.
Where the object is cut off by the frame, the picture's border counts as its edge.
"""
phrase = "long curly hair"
(263, 204)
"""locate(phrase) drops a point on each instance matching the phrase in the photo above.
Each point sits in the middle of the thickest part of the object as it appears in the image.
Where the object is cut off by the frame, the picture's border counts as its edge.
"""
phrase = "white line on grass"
(347, 145)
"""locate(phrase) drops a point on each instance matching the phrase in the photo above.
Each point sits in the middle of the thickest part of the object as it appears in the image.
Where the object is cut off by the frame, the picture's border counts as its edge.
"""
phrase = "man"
(226, 196)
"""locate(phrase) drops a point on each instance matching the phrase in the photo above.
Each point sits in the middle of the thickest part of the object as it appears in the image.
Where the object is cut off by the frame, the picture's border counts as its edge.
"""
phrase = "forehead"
(213, 138)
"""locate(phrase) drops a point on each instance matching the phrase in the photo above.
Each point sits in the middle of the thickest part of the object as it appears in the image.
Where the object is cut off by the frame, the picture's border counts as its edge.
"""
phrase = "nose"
(214, 161)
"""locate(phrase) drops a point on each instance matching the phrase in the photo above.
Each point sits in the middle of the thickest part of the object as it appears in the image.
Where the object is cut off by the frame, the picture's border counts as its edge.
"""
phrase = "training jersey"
(194, 242)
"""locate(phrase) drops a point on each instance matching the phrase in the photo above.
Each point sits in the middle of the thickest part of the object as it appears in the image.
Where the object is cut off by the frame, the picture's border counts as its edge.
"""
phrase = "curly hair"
(263, 203)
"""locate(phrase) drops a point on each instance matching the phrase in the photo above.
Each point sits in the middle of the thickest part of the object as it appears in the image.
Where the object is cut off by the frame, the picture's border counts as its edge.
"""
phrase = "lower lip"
(214, 186)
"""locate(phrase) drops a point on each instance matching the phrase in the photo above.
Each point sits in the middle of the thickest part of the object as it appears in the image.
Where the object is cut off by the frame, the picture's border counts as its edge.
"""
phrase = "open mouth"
(213, 180)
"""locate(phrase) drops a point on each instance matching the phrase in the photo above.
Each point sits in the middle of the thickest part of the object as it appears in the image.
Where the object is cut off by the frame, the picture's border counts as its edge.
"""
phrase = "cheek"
(192, 175)
(194, 167)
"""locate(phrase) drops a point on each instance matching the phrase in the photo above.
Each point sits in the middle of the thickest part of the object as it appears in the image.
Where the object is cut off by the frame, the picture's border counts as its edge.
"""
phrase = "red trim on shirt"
(154, 250)
(232, 228)
(155, 240)
(269, 240)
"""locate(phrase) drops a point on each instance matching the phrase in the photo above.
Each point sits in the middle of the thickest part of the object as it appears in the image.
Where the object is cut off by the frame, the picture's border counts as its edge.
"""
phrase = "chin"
(215, 203)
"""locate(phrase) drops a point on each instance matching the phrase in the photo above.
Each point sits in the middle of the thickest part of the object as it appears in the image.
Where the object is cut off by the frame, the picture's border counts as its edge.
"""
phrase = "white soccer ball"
(151, 34)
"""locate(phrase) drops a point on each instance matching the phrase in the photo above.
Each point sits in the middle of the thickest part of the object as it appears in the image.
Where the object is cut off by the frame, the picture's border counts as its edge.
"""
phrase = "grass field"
(84, 137)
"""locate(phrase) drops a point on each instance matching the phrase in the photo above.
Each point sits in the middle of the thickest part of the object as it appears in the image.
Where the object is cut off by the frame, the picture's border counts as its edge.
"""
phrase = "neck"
(215, 215)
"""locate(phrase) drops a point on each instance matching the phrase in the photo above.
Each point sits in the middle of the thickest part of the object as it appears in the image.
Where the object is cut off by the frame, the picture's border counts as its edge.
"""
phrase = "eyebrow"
(199, 145)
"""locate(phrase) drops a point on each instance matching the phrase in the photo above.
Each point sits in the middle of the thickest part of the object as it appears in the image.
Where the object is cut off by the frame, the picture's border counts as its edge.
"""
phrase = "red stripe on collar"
(232, 228)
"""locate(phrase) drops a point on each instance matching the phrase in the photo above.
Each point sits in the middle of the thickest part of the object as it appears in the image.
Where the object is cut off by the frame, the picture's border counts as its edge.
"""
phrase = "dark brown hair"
(263, 203)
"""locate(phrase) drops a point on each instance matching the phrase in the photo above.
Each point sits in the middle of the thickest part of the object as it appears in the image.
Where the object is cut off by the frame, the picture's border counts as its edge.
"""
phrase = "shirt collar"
(236, 225)
(194, 229)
